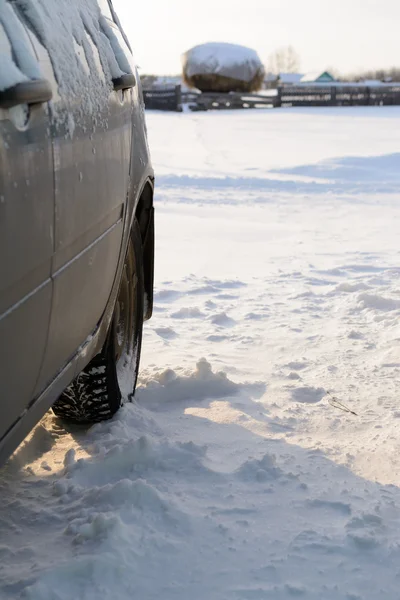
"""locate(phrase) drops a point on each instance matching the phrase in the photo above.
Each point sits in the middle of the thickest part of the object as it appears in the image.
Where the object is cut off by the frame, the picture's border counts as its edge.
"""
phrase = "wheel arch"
(144, 215)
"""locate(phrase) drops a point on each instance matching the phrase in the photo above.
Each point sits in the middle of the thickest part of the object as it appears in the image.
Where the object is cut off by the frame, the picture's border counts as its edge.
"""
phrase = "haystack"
(220, 67)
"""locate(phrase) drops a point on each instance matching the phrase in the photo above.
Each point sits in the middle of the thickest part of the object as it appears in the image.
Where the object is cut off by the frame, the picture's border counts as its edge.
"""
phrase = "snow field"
(232, 476)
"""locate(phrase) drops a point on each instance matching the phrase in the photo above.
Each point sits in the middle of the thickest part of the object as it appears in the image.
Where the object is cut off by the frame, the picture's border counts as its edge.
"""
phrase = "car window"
(18, 62)
(105, 9)
(5, 46)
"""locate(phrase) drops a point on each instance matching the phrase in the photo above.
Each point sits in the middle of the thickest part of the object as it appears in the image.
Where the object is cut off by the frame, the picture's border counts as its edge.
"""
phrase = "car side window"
(18, 63)
(5, 46)
(105, 9)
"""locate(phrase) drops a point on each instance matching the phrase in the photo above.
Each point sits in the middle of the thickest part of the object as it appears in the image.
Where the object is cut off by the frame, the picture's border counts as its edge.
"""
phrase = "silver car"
(76, 214)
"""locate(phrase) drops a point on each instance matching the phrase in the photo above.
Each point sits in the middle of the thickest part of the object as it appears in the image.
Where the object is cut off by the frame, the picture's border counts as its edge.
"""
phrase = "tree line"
(287, 60)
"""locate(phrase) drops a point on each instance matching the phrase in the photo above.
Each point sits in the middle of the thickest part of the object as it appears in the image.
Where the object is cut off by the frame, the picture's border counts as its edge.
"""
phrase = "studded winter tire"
(110, 378)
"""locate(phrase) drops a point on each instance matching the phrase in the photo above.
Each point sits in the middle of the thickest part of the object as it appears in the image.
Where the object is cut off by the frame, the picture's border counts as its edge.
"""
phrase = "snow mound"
(260, 470)
(201, 384)
(378, 302)
(131, 459)
(95, 526)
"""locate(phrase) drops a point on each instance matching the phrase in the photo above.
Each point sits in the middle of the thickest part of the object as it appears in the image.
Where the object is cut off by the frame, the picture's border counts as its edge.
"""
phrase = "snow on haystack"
(221, 67)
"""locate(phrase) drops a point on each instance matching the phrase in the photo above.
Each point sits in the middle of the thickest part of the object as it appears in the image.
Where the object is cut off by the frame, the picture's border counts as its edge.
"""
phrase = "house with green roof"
(318, 77)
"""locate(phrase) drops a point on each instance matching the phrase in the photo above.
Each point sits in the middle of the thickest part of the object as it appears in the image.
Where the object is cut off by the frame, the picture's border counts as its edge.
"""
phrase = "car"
(76, 215)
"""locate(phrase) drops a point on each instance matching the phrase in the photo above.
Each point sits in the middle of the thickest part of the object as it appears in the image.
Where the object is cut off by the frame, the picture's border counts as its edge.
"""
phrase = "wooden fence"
(229, 101)
(344, 95)
(317, 95)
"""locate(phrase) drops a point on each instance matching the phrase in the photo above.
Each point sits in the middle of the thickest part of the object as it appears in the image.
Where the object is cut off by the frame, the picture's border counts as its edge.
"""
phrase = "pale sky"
(345, 34)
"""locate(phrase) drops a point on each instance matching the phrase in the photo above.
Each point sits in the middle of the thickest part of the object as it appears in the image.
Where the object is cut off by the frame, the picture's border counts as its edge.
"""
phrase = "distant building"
(272, 80)
(317, 77)
(289, 78)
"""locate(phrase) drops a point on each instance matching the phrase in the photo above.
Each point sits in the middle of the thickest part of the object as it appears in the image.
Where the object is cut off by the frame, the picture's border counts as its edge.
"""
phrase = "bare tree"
(284, 60)
(392, 74)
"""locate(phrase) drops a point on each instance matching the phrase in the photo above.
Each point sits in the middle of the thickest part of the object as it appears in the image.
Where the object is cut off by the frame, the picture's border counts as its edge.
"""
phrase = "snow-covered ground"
(232, 476)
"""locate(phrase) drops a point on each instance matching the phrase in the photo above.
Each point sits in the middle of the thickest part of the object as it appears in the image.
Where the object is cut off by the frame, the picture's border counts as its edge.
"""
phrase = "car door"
(92, 132)
(26, 218)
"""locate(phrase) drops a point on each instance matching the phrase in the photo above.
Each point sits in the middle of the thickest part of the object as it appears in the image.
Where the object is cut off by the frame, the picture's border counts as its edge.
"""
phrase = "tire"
(110, 378)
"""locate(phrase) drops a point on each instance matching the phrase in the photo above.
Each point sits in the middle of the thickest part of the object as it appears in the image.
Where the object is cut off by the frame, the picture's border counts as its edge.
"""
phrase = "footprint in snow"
(210, 304)
(227, 297)
(341, 507)
(227, 285)
(188, 313)
(293, 376)
(222, 320)
(355, 335)
(365, 521)
(308, 395)
(167, 295)
(217, 338)
(167, 333)
(255, 316)
(204, 289)
(260, 470)
(296, 365)
(351, 286)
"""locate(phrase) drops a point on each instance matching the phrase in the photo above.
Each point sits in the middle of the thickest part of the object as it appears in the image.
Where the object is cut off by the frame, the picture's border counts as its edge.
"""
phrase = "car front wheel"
(110, 378)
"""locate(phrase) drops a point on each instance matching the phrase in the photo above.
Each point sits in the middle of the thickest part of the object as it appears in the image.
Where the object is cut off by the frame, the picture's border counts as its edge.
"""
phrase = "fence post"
(367, 96)
(333, 95)
(278, 99)
(178, 96)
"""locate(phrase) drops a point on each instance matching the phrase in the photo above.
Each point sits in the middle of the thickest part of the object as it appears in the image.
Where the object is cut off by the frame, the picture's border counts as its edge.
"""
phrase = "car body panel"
(26, 247)
(81, 292)
(101, 168)
(92, 150)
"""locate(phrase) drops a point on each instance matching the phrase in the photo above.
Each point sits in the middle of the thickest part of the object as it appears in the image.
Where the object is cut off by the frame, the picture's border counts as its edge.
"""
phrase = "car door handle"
(125, 82)
(35, 91)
